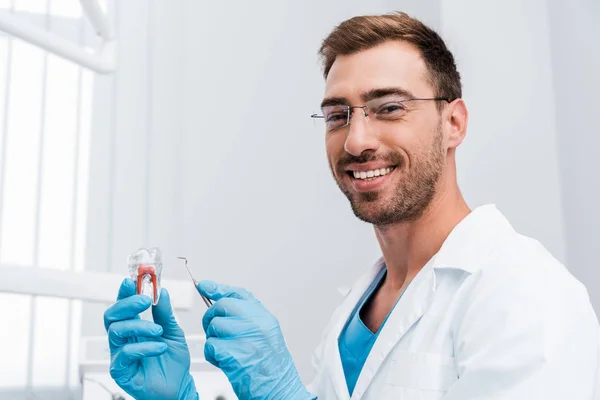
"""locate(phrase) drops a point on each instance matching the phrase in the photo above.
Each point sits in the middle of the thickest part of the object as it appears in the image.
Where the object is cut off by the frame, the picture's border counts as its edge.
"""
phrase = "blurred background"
(198, 140)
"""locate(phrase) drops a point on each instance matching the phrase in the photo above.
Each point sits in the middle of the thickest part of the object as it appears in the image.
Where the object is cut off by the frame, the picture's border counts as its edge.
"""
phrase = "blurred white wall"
(209, 152)
(574, 33)
(510, 155)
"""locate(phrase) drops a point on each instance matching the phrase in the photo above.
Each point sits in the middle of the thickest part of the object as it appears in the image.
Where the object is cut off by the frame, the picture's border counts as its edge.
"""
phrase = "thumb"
(162, 314)
(215, 291)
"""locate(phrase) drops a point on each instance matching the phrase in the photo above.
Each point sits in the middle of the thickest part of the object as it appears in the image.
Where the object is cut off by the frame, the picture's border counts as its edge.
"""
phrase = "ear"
(456, 116)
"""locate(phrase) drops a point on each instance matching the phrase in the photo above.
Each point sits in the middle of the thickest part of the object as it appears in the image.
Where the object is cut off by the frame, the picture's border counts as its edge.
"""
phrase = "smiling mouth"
(371, 174)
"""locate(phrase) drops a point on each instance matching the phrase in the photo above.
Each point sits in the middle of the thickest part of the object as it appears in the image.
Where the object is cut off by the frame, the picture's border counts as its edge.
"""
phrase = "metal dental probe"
(206, 300)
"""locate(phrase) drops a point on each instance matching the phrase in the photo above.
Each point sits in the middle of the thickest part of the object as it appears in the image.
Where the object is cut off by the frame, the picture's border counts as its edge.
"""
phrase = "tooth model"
(145, 268)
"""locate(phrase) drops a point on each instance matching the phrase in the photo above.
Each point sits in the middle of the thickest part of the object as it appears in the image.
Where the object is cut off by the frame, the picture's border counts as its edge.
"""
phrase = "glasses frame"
(349, 109)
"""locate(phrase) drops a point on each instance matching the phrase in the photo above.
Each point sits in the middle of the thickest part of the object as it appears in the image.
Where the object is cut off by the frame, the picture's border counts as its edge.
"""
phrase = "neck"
(408, 246)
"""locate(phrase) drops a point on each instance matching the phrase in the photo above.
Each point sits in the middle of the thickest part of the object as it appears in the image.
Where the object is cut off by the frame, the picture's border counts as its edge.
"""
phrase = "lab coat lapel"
(410, 308)
(335, 368)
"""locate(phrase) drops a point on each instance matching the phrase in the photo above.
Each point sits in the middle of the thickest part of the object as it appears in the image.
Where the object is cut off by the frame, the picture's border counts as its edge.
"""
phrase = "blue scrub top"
(356, 340)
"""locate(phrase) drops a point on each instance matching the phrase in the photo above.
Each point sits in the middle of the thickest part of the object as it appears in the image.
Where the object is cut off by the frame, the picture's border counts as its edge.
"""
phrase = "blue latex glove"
(149, 360)
(244, 340)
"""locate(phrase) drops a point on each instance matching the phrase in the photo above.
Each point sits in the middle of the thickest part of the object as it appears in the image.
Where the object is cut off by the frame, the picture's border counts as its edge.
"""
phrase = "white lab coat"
(492, 316)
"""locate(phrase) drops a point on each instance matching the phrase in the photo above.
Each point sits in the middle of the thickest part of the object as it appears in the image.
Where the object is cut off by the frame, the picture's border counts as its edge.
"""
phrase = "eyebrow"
(369, 95)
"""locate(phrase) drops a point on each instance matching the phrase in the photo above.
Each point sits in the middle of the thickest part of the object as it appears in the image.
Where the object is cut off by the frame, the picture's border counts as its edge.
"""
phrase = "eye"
(390, 109)
(336, 117)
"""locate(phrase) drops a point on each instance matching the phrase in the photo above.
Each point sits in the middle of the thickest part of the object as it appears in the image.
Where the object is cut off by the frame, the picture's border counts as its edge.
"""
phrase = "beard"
(414, 190)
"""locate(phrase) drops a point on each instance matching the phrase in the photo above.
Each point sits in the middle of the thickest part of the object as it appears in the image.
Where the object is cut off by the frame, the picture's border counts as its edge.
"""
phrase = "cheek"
(399, 146)
(334, 146)
(407, 141)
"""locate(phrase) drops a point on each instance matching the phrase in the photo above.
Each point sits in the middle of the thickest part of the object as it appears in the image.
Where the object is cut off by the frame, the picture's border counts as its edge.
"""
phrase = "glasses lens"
(335, 116)
(387, 109)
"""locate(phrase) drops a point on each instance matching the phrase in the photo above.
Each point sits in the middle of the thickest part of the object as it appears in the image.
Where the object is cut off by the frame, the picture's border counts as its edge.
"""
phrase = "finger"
(221, 327)
(127, 308)
(219, 353)
(120, 332)
(163, 316)
(215, 291)
(226, 307)
(133, 352)
(127, 289)
(211, 350)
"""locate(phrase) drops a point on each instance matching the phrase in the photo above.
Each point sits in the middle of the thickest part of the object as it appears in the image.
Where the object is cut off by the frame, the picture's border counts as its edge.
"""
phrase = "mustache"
(347, 159)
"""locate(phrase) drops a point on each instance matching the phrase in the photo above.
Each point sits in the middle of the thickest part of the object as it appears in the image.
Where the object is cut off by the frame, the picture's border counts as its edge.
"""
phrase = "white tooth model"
(145, 268)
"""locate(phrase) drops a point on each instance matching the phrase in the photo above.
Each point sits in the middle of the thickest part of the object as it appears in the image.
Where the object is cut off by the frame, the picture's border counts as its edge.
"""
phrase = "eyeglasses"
(382, 109)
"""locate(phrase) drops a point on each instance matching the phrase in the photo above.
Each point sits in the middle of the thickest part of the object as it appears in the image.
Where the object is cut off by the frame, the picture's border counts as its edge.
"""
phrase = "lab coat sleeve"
(526, 336)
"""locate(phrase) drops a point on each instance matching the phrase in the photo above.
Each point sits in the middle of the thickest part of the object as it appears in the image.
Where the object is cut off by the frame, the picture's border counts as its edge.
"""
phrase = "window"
(45, 126)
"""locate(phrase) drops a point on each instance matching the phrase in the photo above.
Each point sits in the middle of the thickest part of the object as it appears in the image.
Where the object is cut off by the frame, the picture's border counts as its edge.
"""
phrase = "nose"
(361, 135)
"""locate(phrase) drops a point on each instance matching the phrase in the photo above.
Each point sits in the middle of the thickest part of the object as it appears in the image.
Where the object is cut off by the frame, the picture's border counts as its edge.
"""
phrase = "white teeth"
(372, 173)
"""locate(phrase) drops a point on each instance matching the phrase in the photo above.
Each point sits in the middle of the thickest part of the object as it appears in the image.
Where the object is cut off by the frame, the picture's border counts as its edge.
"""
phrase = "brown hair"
(364, 32)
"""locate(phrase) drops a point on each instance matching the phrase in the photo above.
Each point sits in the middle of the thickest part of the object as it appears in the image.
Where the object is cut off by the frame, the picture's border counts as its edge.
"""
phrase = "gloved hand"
(244, 340)
(149, 360)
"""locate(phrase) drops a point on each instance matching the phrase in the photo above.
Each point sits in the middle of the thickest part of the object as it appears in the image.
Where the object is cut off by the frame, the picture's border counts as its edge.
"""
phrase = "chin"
(382, 213)
(373, 213)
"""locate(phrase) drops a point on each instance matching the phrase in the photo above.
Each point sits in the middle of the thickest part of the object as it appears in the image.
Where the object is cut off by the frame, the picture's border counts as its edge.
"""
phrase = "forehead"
(391, 64)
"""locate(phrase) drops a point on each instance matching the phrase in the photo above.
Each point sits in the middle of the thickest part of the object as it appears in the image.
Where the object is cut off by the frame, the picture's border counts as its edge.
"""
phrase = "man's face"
(402, 158)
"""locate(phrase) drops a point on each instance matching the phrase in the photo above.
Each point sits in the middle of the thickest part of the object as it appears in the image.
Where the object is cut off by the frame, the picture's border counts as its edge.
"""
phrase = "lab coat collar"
(473, 239)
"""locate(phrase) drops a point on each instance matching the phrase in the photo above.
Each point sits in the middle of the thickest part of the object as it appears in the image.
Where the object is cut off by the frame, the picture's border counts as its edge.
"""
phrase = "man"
(460, 306)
